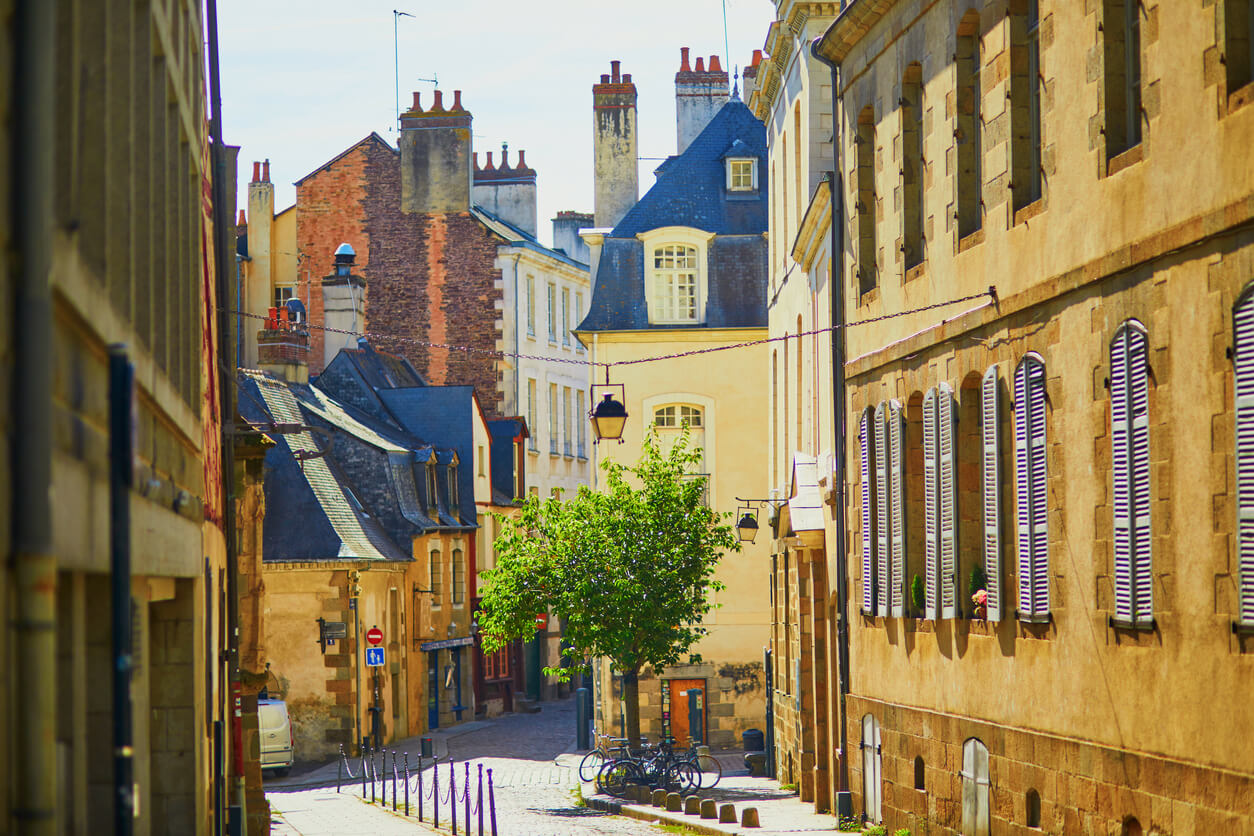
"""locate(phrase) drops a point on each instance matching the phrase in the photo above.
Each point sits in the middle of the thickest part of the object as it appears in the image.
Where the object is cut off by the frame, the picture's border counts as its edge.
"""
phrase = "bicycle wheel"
(616, 775)
(681, 777)
(591, 765)
(709, 771)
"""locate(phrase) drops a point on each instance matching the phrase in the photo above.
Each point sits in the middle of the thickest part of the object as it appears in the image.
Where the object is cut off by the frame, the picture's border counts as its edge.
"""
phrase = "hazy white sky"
(303, 80)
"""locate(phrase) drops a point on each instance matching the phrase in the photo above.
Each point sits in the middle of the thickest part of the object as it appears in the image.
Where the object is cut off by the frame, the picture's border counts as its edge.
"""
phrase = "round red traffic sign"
(542, 620)
(374, 635)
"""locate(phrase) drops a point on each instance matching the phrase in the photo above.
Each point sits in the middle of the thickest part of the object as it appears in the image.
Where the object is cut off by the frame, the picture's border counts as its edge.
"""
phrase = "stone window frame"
(737, 168)
(435, 577)
(912, 250)
(532, 421)
(968, 133)
(672, 236)
(1123, 79)
(551, 291)
(531, 306)
(866, 268)
(1033, 565)
(1133, 566)
(1243, 448)
(1027, 181)
(459, 578)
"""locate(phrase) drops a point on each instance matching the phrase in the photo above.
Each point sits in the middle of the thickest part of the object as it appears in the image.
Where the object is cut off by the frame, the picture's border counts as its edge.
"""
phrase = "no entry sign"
(374, 635)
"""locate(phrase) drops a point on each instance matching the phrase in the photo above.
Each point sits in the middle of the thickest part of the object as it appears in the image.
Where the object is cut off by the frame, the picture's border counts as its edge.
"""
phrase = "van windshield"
(271, 715)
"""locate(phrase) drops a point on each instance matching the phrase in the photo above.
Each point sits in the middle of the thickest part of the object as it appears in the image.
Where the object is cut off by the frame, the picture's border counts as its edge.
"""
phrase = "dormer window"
(675, 274)
(433, 499)
(453, 502)
(742, 174)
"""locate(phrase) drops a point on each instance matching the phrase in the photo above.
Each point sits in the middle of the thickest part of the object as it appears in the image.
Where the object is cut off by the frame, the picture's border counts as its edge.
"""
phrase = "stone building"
(684, 270)
(106, 230)
(1054, 205)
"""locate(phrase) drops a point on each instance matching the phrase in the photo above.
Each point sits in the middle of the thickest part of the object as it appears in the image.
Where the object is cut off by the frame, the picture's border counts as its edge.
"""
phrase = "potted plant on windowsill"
(915, 613)
(977, 588)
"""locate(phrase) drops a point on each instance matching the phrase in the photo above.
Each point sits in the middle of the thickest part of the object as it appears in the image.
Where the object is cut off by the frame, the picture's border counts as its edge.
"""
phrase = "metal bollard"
(491, 803)
(393, 780)
(363, 774)
(435, 793)
(452, 795)
(479, 802)
(383, 782)
(339, 770)
(373, 776)
(407, 783)
(466, 796)
(419, 787)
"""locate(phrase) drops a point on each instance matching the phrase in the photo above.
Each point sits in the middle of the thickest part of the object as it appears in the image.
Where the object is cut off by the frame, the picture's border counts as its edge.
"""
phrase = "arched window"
(675, 283)
(919, 778)
(1131, 826)
(1031, 488)
(1129, 444)
(670, 421)
(975, 786)
(1032, 814)
(675, 416)
(1243, 390)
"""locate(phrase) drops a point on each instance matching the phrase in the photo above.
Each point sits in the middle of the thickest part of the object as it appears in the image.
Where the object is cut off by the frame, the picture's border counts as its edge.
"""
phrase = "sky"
(303, 81)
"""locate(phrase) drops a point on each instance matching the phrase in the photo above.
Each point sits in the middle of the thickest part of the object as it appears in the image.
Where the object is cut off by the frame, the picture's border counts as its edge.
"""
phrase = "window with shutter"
(1129, 443)
(931, 510)
(947, 487)
(866, 439)
(1243, 387)
(990, 420)
(1031, 498)
(883, 510)
(897, 508)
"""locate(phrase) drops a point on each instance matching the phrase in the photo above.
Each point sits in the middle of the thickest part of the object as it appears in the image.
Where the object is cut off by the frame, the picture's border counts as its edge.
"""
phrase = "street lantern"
(610, 416)
(747, 528)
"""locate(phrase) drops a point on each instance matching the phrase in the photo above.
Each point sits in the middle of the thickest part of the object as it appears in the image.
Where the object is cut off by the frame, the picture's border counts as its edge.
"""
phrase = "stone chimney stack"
(699, 94)
(343, 305)
(614, 147)
(258, 291)
(509, 193)
(566, 228)
(435, 157)
(749, 77)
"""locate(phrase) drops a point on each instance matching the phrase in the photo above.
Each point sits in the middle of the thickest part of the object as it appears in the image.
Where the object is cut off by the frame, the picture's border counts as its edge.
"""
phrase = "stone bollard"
(692, 805)
(659, 798)
(674, 801)
(636, 792)
(709, 810)
(727, 814)
(749, 817)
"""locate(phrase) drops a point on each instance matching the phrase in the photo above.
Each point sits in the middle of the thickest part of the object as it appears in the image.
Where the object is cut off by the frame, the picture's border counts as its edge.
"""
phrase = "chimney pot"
(489, 166)
(522, 162)
(417, 102)
(475, 158)
(757, 57)
(243, 219)
(457, 100)
(438, 105)
(715, 66)
(626, 78)
(614, 71)
(700, 64)
(256, 171)
(504, 156)
(265, 172)
(605, 79)
(683, 62)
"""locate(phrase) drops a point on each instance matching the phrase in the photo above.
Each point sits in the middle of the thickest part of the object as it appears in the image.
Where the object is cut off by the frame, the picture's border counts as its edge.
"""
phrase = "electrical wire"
(991, 294)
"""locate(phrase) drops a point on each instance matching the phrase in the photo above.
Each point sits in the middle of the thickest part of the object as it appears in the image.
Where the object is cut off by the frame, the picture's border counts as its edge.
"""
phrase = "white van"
(277, 742)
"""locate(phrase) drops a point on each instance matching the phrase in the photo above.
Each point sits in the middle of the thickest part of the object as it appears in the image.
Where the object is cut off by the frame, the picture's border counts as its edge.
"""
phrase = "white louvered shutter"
(931, 501)
(1030, 487)
(1129, 440)
(883, 511)
(947, 481)
(990, 417)
(866, 435)
(897, 501)
(1243, 385)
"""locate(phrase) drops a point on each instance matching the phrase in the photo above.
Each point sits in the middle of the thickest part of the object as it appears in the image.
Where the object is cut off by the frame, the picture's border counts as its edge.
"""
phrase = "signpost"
(374, 657)
(374, 635)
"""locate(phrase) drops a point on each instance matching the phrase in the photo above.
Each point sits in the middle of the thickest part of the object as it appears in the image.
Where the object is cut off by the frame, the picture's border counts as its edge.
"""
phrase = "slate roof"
(691, 191)
(503, 431)
(516, 237)
(446, 411)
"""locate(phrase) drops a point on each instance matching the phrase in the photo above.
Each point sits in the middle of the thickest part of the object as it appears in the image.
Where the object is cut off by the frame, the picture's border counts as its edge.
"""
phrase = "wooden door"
(679, 708)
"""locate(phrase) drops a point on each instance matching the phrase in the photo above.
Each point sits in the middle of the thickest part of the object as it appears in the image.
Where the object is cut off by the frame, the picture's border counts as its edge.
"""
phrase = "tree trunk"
(631, 707)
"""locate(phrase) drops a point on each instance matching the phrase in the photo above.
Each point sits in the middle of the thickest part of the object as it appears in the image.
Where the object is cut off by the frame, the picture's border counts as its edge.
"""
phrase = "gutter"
(33, 631)
(844, 799)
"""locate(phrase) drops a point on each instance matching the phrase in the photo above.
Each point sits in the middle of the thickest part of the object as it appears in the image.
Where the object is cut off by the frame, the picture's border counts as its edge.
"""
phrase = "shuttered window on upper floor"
(1129, 442)
(1031, 488)
(882, 439)
(866, 442)
(1243, 391)
(990, 465)
(940, 496)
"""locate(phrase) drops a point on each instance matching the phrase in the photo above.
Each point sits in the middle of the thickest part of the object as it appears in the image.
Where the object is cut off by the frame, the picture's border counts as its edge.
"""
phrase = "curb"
(636, 811)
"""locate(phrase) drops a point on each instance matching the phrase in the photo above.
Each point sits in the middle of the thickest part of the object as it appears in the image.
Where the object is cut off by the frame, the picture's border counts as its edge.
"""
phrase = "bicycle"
(591, 763)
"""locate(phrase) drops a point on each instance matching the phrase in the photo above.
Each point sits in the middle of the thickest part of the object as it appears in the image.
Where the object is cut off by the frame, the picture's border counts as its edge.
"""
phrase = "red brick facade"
(429, 277)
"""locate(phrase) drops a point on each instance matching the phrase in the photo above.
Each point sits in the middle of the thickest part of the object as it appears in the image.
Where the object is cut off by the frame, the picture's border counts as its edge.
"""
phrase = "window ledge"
(1030, 211)
(972, 239)
(533, 451)
(1034, 618)
(1123, 160)
(916, 271)
(1243, 628)
(1128, 624)
(1240, 97)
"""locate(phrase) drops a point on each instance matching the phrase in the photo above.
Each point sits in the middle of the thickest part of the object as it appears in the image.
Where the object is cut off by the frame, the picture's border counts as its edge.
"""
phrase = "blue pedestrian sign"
(374, 657)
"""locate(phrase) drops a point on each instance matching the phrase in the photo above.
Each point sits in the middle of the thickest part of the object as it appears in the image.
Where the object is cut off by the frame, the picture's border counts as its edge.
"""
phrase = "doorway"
(678, 700)
(871, 769)
(433, 689)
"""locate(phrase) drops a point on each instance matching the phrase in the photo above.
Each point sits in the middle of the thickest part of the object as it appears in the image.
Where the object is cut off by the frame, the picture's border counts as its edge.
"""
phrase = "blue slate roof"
(691, 191)
(503, 431)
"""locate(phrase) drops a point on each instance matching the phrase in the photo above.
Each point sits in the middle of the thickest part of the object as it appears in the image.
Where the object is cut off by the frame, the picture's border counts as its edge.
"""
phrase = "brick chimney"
(749, 76)
(699, 94)
(343, 305)
(258, 274)
(614, 147)
(435, 157)
(505, 191)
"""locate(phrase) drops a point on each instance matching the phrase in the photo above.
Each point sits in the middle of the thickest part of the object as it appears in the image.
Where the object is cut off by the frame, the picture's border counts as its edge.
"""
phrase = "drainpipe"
(33, 631)
(517, 342)
(844, 800)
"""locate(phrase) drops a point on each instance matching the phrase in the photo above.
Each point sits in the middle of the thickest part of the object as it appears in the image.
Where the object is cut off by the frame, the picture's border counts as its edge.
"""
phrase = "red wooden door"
(679, 708)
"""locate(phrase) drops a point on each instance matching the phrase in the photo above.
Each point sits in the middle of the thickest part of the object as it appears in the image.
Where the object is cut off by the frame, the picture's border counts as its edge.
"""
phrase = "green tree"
(629, 569)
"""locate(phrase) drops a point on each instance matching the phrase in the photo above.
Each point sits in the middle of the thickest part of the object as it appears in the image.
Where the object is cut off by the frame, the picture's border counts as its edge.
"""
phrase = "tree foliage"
(629, 569)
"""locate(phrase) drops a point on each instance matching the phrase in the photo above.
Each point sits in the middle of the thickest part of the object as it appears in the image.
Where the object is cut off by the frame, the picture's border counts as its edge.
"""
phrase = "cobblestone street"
(536, 787)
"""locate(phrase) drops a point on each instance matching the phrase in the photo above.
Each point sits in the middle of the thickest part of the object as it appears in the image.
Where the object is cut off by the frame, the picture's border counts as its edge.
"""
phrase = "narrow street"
(536, 786)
